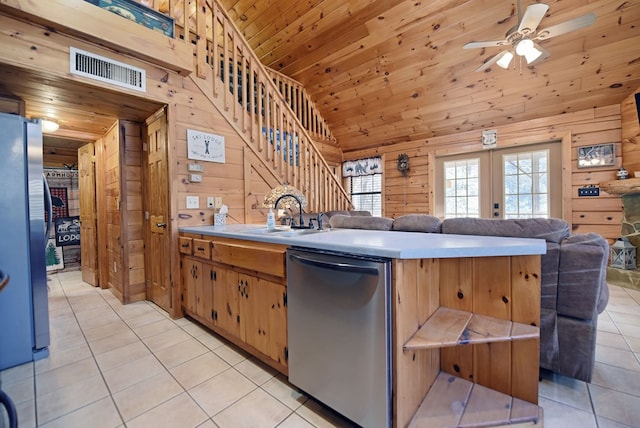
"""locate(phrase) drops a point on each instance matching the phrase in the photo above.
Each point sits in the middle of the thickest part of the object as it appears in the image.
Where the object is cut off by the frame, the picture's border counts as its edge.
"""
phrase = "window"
(363, 180)
(366, 193)
(525, 184)
(462, 188)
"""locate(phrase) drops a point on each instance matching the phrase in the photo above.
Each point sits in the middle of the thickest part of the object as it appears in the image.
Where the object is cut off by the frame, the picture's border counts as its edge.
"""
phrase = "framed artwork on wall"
(596, 156)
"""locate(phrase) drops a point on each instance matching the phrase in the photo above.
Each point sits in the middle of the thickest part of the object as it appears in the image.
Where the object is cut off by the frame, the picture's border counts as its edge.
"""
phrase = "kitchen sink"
(284, 231)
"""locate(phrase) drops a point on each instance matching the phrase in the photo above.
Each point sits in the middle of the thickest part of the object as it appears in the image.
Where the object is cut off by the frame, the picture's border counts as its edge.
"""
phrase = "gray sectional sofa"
(574, 288)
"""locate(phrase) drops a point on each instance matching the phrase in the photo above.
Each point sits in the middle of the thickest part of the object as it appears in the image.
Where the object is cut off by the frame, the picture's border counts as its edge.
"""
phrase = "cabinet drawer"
(186, 245)
(267, 260)
(202, 248)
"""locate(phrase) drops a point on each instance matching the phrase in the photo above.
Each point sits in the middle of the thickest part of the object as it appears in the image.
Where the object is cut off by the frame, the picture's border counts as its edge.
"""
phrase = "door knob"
(161, 224)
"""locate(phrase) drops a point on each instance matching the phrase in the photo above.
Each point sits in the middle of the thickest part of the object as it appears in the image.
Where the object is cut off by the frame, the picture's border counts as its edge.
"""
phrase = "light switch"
(195, 178)
(218, 202)
(193, 202)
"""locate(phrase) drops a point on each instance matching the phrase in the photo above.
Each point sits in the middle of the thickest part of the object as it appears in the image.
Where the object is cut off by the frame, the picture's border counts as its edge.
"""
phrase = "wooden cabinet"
(238, 289)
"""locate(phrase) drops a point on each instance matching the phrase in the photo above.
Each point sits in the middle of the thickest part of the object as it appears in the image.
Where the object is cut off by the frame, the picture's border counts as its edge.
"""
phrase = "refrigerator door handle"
(48, 209)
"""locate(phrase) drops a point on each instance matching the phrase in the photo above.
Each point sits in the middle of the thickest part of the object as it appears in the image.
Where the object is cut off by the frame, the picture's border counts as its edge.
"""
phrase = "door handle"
(161, 224)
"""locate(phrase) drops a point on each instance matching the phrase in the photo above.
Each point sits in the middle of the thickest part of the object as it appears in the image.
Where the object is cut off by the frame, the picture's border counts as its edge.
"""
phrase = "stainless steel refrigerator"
(24, 308)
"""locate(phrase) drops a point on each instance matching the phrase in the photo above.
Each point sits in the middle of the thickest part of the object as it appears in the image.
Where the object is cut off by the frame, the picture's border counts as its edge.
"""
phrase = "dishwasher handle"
(343, 267)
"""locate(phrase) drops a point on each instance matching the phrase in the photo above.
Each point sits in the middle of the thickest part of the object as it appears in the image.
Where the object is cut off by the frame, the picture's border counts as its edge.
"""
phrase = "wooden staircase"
(233, 79)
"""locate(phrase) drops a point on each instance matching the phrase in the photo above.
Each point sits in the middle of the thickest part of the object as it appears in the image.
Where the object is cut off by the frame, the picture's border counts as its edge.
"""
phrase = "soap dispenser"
(271, 219)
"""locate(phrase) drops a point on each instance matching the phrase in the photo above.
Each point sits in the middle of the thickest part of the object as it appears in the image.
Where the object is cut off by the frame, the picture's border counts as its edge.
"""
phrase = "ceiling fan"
(522, 38)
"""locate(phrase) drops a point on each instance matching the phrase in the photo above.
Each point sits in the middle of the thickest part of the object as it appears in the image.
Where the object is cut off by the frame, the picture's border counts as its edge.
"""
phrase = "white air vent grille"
(107, 70)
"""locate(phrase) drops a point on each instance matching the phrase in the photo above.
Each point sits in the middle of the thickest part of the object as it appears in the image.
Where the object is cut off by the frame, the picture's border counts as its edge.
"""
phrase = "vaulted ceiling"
(384, 71)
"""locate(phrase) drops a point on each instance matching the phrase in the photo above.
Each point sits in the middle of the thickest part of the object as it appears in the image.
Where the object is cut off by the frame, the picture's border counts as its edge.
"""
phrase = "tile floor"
(113, 366)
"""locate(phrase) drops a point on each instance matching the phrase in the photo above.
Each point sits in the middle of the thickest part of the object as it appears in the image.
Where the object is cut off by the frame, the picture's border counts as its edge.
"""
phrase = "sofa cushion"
(361, 222)
(417, 223)
(583, 292)
(549, 265)
(551, 230)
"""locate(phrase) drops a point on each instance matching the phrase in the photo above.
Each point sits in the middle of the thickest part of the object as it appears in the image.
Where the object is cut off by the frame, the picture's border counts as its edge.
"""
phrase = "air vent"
(107, 70)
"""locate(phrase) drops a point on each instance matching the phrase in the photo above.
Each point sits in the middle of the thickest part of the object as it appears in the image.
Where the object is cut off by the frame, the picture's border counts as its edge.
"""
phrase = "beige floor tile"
(295, 421)
(164, 340)
(256, 371)
(61, 377)
(153, 328)
(20, 390)
(323, 417)
(195, 330)
(61, 341)
(617, 406)
(109, 343)
(605, 323)
(558, 415)
(133, 310)
(123, 355)
(180, 411)
(258, 409)
(564, 390)
(199, 369)
(149, 316)
(208, 424)
(616, 378)
(211, 341)
(62, 357)
(285, 392)
(100, 414)
(132, 372)
(68, 399)
(629, 314)
(231, 354)
(617, 357)
(182, 321)
(608, 423)
(221, 391)
(632, 330)
(145, 395)
(181, 352)
(106, 329)
(87, 303)
(634, 343)
(26, 414)
(612, 340)
(23, 371)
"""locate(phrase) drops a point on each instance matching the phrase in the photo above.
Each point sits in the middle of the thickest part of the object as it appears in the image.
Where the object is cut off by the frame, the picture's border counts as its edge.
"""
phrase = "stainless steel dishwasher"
(339, 323)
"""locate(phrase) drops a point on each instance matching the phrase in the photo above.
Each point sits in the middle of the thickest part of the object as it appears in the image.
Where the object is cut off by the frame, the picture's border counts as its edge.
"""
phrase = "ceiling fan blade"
(566, 27)
(532, 17)
(491, 61)
(472, 45)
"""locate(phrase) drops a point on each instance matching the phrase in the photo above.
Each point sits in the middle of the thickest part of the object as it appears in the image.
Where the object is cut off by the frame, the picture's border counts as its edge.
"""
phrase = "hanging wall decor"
(403, 163)
(359, 167)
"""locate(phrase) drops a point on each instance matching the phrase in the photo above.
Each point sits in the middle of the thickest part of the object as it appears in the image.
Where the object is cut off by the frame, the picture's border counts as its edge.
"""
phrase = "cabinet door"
(225, 300)
(192, 278)
(263, 320)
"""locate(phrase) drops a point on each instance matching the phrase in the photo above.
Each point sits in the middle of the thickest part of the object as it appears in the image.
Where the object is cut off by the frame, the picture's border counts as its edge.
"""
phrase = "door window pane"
(525, 184)
(462, 188)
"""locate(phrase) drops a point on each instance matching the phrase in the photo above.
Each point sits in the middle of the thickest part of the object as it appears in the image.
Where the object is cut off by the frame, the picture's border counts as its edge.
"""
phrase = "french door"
(518, 182)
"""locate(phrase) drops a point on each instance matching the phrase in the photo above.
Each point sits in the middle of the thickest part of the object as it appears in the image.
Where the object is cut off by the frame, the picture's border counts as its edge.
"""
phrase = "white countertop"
(397, 245)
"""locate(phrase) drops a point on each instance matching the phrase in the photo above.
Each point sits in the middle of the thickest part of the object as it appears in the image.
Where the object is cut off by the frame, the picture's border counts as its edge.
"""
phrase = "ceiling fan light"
(505, 60)
(524, 46)
(532, 55)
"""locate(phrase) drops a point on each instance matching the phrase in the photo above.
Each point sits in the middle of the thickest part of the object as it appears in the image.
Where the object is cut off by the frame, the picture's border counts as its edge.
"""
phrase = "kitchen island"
(465, 340)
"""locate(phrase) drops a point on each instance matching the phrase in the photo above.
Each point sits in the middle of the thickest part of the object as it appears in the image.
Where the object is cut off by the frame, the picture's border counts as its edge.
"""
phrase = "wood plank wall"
(603, 214)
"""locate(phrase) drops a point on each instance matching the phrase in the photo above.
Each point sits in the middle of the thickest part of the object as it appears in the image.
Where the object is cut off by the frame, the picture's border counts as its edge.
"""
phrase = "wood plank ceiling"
(384, 71)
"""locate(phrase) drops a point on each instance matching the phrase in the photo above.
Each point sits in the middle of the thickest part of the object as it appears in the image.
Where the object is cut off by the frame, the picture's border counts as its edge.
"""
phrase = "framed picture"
(54, 256)
(596, 156)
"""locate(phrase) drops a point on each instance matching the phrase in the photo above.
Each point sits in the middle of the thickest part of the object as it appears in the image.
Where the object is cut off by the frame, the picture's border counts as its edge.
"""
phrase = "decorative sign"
(490, 139)
(53, 256)
(67, 231)
(59, 202)
(205, 147)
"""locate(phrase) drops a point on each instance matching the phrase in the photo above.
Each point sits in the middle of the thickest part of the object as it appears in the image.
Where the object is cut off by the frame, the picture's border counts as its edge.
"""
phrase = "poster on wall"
(67, 231)
(205, 147)
(54, 256)
(59, 202)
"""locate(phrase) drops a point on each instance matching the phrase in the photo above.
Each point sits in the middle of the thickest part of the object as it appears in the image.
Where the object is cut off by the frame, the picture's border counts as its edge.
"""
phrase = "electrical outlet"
(218, 202)
(589, 191)
(195, 178)
(210, 202)
(193, 202)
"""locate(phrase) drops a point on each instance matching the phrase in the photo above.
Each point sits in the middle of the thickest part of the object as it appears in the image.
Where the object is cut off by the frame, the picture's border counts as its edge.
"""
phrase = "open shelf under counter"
(456, 402)
(453, 327)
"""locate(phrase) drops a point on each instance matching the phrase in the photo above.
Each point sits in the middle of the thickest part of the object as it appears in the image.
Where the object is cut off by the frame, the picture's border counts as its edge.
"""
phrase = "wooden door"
(157, 245)
(88, 226)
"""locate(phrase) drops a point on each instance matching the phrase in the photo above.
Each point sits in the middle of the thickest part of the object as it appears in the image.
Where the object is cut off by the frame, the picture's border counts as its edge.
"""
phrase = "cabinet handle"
(200, 248)
(185, 245)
